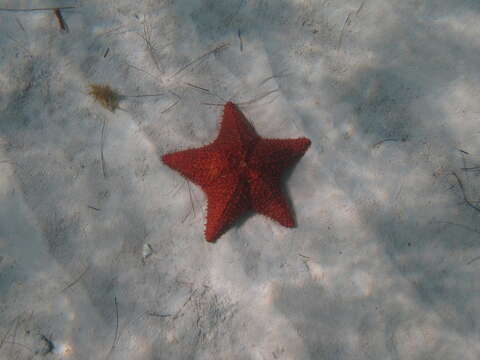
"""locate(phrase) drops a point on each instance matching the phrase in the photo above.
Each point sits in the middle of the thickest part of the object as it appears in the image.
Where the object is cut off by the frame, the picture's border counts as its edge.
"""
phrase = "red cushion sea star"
(239, 171)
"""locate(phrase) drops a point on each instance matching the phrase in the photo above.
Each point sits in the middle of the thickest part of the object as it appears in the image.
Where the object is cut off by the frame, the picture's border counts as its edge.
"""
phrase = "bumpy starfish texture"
(240, 171)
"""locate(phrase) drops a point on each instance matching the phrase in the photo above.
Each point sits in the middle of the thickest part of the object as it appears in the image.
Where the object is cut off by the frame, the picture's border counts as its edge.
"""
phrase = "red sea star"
(239, 171)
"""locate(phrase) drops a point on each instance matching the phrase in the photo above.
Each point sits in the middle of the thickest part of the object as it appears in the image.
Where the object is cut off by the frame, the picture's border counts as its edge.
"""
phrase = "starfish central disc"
(239, 171)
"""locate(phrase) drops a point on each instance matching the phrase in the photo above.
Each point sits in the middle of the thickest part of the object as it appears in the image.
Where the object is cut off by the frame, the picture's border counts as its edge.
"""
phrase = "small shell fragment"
(147, 251)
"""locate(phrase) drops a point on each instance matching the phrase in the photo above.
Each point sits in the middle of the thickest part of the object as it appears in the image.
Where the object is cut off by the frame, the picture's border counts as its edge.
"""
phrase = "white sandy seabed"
(384, 262)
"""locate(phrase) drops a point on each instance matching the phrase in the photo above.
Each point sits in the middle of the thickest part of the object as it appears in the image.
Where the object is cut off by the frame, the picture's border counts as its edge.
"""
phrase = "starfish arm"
(235, 129)
(273, 156)
(227, 200)
(201, 166)
(268, 200)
